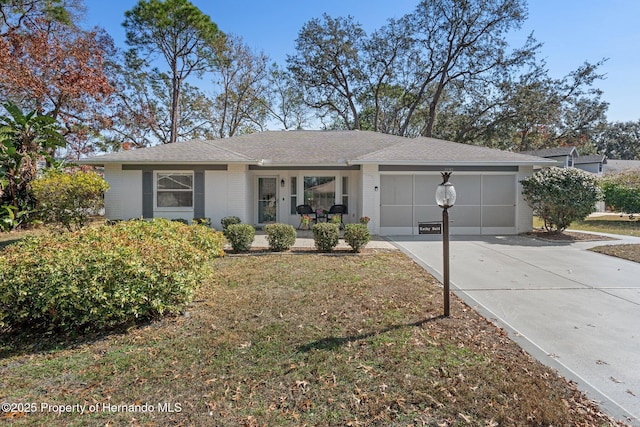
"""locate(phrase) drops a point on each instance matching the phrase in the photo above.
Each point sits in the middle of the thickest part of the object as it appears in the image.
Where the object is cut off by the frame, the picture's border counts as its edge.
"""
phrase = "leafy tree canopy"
(446, 70)
(49, 64)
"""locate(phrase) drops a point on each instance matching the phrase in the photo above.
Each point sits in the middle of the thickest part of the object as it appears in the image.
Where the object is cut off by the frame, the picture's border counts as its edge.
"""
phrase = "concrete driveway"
(574, 310)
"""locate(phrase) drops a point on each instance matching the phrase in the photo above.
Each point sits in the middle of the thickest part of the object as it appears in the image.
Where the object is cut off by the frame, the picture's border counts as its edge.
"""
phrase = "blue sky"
(572, 31)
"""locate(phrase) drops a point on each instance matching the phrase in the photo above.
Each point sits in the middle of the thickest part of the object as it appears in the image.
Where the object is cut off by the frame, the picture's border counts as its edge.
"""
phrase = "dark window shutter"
(198, 194)
(147, 194)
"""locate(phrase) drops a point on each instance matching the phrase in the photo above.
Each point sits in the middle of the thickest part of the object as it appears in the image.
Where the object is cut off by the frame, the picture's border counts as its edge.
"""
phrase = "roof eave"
(456, 163)
(307, 165)
(98, 162)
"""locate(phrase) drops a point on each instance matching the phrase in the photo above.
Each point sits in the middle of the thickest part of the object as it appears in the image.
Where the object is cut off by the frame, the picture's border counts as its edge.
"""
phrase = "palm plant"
(24, 140)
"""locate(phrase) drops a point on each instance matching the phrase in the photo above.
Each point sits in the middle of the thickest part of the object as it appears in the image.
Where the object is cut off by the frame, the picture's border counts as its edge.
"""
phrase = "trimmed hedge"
(357, 236)
(102, 277)
(622, 192)
(280, 236)
(326, 236)
(240, 236)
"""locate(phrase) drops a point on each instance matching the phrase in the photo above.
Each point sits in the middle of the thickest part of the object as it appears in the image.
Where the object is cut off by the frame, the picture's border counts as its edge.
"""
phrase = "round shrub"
(280, 236)
(560, 196)
(228, 220)
(357, 236)
(69, 199)
(102, 277)
(240, 236)
(326, 236)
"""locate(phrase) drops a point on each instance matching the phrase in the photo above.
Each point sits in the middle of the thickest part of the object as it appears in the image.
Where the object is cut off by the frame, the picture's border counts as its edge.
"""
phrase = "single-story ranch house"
(262, 177)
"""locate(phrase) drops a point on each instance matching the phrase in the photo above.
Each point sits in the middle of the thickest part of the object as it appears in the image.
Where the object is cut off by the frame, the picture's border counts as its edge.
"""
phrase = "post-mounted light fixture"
(445, 198)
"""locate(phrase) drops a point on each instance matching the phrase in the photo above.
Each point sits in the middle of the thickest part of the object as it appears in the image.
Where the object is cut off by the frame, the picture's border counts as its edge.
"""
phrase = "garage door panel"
(498, 190)
(468, 188)
(396, 189)
(486, 203)
(499, 216)
(425, 189)
(396, 216)
(427, 214)
(465, 216)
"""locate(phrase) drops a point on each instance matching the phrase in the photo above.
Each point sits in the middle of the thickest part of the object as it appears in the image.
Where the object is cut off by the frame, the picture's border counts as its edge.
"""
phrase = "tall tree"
(620, 140)
(526, 111)
(461, 41)
(141, 112)
(389, 68)
(328, 65)
(286, 99)
(15, 14)
(399, 76)
(182, 35)
(240, 102)
(49, 64)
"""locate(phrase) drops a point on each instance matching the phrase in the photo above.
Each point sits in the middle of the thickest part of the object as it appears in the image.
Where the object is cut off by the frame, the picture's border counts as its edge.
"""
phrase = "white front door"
(267, 199)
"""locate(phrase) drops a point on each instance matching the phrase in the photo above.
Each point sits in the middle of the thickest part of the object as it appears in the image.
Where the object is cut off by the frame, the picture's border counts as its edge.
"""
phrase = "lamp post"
(445, 198)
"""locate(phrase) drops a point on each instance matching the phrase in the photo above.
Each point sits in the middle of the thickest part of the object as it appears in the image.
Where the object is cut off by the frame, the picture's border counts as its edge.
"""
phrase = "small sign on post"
(429, 228)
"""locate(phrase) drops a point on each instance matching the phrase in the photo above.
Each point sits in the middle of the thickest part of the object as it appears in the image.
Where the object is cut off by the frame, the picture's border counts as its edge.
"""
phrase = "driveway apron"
(574, 310)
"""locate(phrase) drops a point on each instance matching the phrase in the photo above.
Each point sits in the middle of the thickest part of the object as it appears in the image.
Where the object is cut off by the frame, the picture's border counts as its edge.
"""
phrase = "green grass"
(609, 224)
(298, 339)
(612, 224)
(628, 252)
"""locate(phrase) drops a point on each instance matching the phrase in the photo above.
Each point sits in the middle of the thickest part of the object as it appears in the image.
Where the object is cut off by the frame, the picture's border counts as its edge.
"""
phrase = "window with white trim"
(174, 190)
(320, 191)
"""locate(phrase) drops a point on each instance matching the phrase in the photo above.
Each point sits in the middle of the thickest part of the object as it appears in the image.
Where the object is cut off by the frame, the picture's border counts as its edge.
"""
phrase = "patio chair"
(303, 210)
(337, 210)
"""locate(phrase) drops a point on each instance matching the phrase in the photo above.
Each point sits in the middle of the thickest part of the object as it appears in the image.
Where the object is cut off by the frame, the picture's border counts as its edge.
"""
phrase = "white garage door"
(486, 203)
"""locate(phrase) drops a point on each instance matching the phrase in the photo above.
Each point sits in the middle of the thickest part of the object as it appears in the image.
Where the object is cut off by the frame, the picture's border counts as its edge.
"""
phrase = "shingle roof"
(309, 147)
(318, 148)
(615, 166)
(436, 151)
(194, 151)
(553, 152)
(595, 158)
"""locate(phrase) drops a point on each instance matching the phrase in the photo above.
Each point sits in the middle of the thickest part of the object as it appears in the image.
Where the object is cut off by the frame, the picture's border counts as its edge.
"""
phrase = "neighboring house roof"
(595, 158)
(615, 166)
(319, 148)
(553, 152)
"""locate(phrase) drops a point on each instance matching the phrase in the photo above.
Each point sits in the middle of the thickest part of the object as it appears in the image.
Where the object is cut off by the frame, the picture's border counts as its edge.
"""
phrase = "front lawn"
(296, 339)
(628, 252)
(609, 223)
(612, 223)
